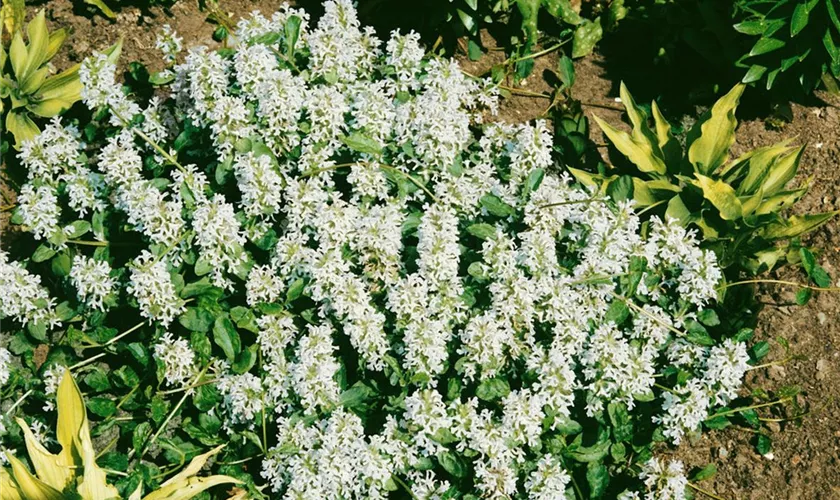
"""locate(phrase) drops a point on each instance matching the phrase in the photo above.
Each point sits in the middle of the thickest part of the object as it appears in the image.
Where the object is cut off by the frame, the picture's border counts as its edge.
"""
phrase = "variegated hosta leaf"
(796, 225)
(722, 196)
(782, 171)
(48, 467)
(756, 163)
(640, 153)
(713, 135)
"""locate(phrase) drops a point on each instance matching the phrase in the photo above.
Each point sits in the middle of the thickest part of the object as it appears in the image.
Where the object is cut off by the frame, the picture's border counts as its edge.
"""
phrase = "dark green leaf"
(42, 253)
(492, 389)
(226, 337)
(567, 71)
(598, 478)
(496, 206)
(763, 444)
(704, 473)
(453, 464)
(482, 231)
(362, 143)
(102, 407)
(196, 319)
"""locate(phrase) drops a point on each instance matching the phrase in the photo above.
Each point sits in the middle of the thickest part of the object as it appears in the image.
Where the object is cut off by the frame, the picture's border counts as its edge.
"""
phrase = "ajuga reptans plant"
(309, 247)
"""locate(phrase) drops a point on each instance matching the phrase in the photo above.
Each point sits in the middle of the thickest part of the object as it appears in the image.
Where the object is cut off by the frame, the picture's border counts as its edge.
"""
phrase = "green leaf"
(140, 435)
(586, 36)
(717, 422)
(104, 9)
(534, 180)
(292, 33)
(760, 350)
(795, 226)
(226, 337)
(697, 334)
(61, 264)
(246, 360)
(473, 50)
(617, 312)
(765, 45)
(620, 419)
(799, 19)
(708, 317)
(713, 135)
(452, 463)
(97, 380)
(598, 478)
(362, 143)
(102, 407)
(639, 152)
(621, 189)
(295, 290)
(126, 377)
(244, 319)
(705, 473)
(196, 319)
(42, 253)
(567, 70)
(492, 389)
(482, 231)
(754, 74)
(587, 454)
(763, 444)
(721, 195)
(496, 206)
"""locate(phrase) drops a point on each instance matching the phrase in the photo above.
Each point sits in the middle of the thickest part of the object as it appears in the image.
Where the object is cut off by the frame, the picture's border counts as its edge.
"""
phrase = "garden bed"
(805, 460)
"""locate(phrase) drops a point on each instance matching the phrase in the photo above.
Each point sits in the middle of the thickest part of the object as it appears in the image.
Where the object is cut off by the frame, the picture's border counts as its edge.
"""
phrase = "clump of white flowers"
(396, 294)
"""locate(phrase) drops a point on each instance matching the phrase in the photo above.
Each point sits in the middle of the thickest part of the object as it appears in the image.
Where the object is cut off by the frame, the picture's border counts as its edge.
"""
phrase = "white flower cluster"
(441, 260)
(93, 281)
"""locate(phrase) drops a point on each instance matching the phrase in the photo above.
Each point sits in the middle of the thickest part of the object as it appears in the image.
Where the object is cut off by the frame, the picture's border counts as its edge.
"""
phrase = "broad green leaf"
(705, 473)
(721, 195)
(492, 389)
(754, 74)
(496, 206)
(362, 143)
(452, 464)
(765, 45)
(18, 55)
(640, 153)
(758, 162)
(226, 337)
(72, 418)
(291, 35)
(677, 210)
(567, 71)
(782, 171)
(21, 126)
(714, 133)
(598, 478)
(482, 231)
(189, 488)
(780, 201)
(587, 34)
(799, 19)
(795, 225)
(592, 453)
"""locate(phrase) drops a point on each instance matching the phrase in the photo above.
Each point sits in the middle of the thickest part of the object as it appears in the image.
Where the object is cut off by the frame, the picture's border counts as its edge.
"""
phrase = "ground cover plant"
(311, 248)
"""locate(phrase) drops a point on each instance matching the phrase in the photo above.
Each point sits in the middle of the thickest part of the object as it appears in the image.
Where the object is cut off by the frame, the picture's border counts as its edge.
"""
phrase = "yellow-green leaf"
(782, 171)
(48, 467)
(106, 11)
(641, 132)
(780, 201)
(13, 14)
(50, 108)
(8, 487)
(34, 80)
(21, 126)
(592, 181)
(18, 55)
(30, 486)
(796, 225)
(677, 210)
(72, 417)
(714, 134)
(185, 490)
(56, 40)
(39, 41)
(759, 161)
(721, 195)
(669, 145)
(640, 153)
(65, 86)
(193, 468)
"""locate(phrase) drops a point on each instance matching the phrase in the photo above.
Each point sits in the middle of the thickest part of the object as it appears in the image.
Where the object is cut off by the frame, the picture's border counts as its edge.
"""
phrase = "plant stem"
(783, 282)
(89, 243)
(541, 53)
(123, 334)
(650, 207)
(400, 482)
(571, 202)
(18, 401)
(87, 361)
(640, 310)
(745, 408)
(707, 493)
(150, 142)
(602, 106)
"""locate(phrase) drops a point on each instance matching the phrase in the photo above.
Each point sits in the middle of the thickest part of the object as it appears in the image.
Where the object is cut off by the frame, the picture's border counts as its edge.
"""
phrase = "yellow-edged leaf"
(39, 41)
(30, 486)
(185, 490)
(759, 161)
(21, 126)
(640, 153)
(642, 194)
(18, 55)
(72, 417)
(50, 108)
(750, 203)
(48, 467)
(94, 482)
(796, 225)
(106, 11)
(193, 467)
(721, 195)
(763, 260)
(14, 14)
(667, 142)
(34, 80)
(592, 181)
(677, 210)
(113, 52)
(56, 40)
(8, 487)
(65, 85)
(782, 171)
(780, 201)
(641, 132)
(712, 136)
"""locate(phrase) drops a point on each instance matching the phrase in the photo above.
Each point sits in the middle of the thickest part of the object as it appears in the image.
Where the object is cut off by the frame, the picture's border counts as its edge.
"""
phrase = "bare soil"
(805, 461)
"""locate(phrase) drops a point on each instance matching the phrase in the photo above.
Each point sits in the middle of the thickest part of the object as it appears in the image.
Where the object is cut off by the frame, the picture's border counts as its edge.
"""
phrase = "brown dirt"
(806, 459)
